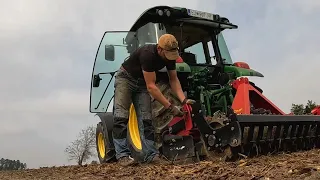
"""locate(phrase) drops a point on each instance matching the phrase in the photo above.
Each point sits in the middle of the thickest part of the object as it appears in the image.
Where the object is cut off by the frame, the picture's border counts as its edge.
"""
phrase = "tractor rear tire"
(133, 136)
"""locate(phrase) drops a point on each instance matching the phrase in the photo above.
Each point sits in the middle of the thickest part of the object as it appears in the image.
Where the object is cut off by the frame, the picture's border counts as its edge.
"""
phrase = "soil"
(300, 165)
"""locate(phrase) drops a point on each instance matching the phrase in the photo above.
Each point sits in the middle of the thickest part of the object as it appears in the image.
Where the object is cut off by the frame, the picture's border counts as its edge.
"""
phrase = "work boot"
(127, 161)
(157, 159)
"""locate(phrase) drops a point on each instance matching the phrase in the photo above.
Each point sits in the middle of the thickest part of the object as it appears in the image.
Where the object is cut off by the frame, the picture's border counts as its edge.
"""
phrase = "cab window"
(198, 52)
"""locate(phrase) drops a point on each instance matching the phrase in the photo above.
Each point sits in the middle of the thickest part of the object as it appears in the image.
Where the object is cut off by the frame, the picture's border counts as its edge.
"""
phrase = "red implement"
(187, 121)
(316, 110)
(247, 95)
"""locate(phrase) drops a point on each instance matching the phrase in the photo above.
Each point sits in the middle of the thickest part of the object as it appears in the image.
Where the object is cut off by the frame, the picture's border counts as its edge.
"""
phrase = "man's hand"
(175, 110)
(188, 101)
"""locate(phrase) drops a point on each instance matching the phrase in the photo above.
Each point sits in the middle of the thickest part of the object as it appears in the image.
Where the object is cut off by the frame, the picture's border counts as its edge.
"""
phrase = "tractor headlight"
(168, 13)
(159, 12)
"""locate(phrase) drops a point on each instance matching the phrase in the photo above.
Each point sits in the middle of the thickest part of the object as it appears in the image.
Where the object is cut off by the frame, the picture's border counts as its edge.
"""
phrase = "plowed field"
(300, 165)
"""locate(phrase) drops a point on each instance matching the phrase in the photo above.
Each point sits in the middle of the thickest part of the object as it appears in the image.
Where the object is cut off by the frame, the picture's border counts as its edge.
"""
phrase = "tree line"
(8, 164)
(301, 109)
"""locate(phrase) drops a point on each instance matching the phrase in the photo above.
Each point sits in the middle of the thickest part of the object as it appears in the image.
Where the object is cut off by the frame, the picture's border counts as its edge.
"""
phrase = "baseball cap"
(170, 44)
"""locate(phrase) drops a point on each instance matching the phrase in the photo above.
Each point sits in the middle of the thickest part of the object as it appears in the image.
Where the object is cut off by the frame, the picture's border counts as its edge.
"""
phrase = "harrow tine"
(312, 135)
(277, 141)
(293, 131)
(317, 139)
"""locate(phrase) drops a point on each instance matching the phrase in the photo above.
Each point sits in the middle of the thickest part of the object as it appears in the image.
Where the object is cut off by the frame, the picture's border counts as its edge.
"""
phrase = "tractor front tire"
(105, 155)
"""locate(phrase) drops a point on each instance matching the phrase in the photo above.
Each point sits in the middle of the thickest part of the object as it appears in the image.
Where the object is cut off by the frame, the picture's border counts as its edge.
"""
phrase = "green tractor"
(231, 115)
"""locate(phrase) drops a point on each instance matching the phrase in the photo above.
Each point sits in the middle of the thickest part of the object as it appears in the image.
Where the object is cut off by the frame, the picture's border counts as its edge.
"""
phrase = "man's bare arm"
(150, 78)
(175, 84)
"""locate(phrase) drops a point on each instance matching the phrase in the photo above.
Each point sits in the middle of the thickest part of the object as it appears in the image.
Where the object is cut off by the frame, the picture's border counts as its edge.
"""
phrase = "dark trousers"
(129, 90)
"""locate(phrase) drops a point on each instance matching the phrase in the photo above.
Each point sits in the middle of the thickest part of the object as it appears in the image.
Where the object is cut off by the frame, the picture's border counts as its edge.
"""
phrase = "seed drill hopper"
(231, 114)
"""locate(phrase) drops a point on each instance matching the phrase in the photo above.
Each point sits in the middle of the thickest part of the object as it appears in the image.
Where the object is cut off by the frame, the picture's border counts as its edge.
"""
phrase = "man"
(134, 83)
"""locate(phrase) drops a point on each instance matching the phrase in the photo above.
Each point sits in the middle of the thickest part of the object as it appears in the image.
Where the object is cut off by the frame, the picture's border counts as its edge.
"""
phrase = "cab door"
(113, 50)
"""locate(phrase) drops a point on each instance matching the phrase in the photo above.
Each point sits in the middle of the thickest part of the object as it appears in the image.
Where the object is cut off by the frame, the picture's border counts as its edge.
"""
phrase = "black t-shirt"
(146, 58)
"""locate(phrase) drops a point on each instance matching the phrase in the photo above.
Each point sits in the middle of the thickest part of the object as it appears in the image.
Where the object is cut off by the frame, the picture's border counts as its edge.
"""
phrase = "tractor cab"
(200, 38)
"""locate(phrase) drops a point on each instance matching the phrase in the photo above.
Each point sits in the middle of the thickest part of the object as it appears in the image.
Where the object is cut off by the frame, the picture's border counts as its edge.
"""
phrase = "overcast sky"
(47, 49)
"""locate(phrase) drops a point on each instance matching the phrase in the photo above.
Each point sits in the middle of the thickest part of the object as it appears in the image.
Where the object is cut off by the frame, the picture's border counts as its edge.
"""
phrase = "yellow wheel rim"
(101, 146)
(134, 129)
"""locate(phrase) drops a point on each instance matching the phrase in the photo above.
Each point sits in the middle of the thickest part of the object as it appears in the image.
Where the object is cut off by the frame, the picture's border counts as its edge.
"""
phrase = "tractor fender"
(107, 120)
(107, 123)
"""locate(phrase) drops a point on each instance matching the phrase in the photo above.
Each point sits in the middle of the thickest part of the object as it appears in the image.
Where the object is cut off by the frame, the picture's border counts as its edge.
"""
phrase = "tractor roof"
(159, 14)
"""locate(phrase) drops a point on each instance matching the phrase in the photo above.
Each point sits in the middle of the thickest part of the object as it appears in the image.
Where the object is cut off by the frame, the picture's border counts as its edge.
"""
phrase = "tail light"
(241, 65)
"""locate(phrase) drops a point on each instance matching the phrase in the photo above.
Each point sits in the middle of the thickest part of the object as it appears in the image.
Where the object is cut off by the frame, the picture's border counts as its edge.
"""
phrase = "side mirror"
(96, 80)
(109, 52)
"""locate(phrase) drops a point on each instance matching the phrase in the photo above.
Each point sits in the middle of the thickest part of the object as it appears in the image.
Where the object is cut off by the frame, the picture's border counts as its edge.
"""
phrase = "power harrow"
(231, 114)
